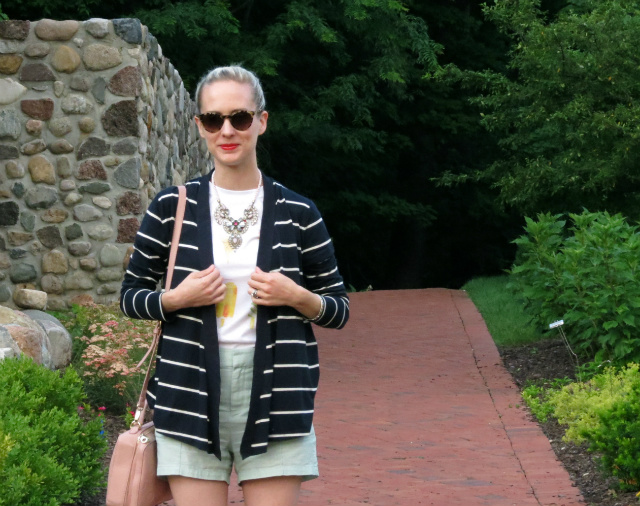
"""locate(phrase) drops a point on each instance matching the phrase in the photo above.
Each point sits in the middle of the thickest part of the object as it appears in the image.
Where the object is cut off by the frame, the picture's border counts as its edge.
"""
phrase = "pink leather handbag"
(132, 471)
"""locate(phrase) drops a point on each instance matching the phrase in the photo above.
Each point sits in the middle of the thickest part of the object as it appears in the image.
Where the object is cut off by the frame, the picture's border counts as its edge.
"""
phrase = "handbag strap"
(175, 241)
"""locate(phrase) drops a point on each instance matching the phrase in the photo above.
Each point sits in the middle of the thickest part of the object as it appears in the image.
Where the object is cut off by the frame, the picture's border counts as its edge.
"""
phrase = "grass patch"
(503, 311)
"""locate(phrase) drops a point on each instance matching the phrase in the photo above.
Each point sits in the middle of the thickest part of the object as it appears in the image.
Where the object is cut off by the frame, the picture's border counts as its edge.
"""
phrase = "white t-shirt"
(236, 314)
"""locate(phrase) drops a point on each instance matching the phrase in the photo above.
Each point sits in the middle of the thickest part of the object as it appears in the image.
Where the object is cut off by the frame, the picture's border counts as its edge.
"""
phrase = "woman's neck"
(236, 179)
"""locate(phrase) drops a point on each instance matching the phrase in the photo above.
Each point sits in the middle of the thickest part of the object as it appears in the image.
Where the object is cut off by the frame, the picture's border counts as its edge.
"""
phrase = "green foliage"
(579, 405)
(604, 413)
(49, 455)
(353, 124)
(109, 346)
(566, 112)
(77, 322)
(617, 438)
(536, 398)
(587, 276)
(505, 314)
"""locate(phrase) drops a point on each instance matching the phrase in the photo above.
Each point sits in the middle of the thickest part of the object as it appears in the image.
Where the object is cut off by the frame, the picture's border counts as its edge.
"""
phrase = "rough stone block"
(38, 72)
(129, 29)
(48, 29)
(121, 119)
(9, 213)
(14, 29)
(127, 229)
(127, 82)
(37, 50)
(50, 236)
(93, 147)
(30, 299)
(10, 125)
(41, 109)
(65, 59)
(10, 63)
(10, 91)
(101, 57)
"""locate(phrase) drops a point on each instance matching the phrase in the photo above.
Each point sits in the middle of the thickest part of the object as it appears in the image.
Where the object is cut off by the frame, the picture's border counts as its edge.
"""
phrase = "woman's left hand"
(276, 289)
(273, 289)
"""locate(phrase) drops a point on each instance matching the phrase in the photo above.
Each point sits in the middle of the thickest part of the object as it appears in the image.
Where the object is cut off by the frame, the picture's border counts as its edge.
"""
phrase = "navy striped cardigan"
(185, 391)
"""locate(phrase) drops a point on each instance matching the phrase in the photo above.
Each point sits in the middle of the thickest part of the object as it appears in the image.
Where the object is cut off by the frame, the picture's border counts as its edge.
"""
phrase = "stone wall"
(94, 121)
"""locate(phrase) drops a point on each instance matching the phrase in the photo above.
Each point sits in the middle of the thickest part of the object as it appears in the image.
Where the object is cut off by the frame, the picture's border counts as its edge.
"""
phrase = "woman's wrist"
(321, 310)
(167, 300)
(309, 304)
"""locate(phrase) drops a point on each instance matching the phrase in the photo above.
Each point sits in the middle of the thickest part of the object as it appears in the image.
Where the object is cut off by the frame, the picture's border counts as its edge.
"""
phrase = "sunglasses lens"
(241, 120)
(212, 122)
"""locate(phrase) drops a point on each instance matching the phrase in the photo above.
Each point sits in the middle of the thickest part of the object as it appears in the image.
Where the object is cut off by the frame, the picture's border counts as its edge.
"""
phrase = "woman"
(237, 366)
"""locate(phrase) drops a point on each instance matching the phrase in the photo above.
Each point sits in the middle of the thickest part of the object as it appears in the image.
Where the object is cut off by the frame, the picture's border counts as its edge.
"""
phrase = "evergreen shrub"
(585, 273)
(49, 454)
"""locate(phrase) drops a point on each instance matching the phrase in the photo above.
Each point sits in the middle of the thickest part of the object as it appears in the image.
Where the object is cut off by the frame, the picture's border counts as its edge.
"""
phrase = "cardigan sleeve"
(321, 271)
(139, 296)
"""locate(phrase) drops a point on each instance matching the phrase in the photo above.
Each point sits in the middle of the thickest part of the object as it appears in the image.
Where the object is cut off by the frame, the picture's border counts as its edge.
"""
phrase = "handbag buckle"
(136, 417)
(143, 439)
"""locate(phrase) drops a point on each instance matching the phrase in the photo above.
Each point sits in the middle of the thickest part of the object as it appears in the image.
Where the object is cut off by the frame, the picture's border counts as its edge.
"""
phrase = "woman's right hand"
(202, 288)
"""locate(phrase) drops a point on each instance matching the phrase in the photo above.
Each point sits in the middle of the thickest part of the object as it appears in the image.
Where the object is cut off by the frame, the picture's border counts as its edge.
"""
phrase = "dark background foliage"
(423, 180)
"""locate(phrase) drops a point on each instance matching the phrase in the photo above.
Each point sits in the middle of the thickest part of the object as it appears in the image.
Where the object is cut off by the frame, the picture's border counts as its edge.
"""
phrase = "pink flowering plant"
(108, 348)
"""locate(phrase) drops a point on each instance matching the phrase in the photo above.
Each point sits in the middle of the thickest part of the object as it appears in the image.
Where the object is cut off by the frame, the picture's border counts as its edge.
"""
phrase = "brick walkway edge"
(416, 408)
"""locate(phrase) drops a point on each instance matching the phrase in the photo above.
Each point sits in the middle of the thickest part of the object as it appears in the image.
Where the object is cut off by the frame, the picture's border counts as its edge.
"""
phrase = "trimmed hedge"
(49, 454)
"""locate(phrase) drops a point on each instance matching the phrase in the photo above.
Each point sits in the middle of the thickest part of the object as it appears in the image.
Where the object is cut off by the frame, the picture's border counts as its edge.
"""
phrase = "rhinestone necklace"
(235, 227)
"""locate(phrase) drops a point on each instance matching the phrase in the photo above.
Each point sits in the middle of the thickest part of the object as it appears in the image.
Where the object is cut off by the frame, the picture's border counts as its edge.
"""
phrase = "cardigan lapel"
(209, 337)
(203, 218)
(262, 358)
(267, 226)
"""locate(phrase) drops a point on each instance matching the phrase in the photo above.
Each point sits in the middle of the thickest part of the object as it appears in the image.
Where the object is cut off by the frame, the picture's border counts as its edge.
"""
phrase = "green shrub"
(603, 412)
(536, 398)
(586, 275)
(578, 405)
(617, 438)
(108, 346)
(49, 455)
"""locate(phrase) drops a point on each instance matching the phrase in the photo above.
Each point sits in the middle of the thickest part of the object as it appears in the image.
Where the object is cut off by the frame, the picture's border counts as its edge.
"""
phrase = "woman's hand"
(276, 289)
(202, 288)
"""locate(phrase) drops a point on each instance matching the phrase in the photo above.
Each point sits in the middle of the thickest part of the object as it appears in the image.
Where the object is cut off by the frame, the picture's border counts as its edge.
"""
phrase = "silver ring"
(255, 294)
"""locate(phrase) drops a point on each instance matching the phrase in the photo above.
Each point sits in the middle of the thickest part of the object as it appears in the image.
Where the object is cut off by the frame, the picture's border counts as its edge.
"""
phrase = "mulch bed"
(548, 360)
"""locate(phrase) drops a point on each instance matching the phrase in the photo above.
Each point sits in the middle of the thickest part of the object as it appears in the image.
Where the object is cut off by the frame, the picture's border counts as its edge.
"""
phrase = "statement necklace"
(235, 227)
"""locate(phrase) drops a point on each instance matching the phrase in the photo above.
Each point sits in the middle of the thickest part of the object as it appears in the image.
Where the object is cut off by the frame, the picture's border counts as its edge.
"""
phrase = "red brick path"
(415, 407)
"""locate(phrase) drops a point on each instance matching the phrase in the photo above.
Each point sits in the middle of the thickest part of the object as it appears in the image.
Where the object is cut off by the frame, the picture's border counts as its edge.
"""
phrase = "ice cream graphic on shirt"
(227, 307)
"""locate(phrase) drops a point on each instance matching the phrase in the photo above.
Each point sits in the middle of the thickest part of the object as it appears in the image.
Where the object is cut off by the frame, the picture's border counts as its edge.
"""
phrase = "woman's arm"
(139, 296)
(323, 298)
(202, 288)
(276, 289)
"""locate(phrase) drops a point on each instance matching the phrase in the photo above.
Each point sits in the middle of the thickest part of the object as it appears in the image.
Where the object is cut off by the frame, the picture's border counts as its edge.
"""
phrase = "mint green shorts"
(293, 457)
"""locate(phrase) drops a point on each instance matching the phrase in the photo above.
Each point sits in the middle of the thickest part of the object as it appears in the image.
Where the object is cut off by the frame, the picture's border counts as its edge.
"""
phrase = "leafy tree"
(353, 123)
(566, 111)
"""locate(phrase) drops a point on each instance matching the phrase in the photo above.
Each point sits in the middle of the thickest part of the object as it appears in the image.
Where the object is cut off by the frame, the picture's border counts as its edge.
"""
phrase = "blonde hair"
(233, 73)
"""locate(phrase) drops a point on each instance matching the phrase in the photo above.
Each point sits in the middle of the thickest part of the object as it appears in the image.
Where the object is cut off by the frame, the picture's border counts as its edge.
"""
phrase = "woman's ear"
(264, 116)
(199, 125)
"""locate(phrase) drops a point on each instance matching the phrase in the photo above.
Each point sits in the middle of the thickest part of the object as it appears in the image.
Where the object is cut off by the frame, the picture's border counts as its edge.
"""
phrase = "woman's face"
(231, 148)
